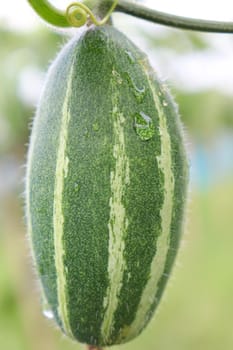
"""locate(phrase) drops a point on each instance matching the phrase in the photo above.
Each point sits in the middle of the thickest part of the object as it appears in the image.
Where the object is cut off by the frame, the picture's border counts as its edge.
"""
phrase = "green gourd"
(105, 188)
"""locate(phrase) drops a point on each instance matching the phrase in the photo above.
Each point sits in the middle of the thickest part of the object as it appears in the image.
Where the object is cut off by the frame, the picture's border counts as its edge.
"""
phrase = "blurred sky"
(209, 9)
(20, 15)
(194, 72)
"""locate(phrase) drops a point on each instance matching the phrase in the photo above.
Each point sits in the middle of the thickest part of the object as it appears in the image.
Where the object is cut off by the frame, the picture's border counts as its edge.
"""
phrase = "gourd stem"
(78, 8)
(58, 18)
(144, 12)
(90, 347)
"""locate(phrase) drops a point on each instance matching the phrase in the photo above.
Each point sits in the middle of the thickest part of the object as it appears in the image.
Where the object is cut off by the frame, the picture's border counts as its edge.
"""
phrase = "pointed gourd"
(105, 188)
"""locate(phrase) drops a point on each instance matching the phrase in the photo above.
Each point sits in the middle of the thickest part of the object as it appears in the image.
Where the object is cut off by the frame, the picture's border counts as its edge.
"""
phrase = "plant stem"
(58, 18)
(138, 10)
(91, 347)
(49, 13)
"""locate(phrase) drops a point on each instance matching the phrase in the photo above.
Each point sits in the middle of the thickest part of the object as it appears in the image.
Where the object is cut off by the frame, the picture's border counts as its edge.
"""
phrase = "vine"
(49, 13)
(77, 15)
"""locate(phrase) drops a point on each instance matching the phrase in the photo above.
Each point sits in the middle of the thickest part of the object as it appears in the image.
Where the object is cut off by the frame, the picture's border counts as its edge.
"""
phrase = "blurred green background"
(197, 309)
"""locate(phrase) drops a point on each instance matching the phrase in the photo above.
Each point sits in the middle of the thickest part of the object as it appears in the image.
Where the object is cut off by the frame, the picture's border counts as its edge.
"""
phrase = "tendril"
(78, 14)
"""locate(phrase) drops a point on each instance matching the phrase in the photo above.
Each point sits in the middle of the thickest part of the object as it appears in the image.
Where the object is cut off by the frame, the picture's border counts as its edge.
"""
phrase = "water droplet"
(130, 56)
(95, 126)
(117, 76)
(144, 126)
(139, 92)
(165, 104)
(47, 312)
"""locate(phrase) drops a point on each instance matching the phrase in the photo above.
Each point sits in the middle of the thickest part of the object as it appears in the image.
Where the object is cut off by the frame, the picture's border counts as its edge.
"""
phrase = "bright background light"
(215, 10)
(193, 71)
(19, 13)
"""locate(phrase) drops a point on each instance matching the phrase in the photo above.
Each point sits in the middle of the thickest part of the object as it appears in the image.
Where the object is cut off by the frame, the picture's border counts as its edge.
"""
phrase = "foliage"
(206, 113)
(18, 52)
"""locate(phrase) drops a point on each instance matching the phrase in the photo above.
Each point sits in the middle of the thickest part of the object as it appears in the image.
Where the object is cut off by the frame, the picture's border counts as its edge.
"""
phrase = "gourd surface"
(106, 187)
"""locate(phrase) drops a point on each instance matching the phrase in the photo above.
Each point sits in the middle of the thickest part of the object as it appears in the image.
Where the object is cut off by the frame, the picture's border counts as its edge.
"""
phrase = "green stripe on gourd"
(106, 187)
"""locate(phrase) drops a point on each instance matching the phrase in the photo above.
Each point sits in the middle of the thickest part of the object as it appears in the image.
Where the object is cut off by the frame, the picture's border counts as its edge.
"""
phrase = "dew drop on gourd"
(47, 312)
(144, 126)
(138, 91)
